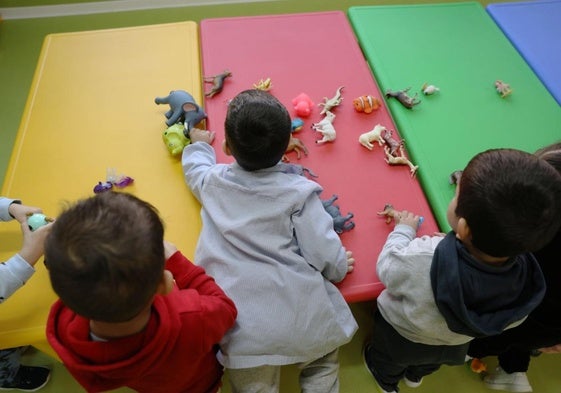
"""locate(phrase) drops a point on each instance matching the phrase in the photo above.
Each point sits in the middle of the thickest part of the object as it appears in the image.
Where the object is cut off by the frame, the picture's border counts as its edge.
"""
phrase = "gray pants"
(317, 376)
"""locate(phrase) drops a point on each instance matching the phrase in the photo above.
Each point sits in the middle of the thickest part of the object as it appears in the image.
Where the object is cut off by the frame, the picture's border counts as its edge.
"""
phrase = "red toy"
(303, 105)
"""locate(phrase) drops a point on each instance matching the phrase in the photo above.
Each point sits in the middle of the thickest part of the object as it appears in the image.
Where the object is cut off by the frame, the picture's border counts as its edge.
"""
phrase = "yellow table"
(91, 107)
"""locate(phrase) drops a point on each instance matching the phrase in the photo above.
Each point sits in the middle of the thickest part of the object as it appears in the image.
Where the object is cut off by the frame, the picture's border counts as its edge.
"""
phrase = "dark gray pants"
(391, 356)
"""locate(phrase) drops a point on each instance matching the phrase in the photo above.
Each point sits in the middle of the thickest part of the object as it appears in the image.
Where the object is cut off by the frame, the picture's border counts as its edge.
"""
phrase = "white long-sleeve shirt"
(270, 245)
(15, 271)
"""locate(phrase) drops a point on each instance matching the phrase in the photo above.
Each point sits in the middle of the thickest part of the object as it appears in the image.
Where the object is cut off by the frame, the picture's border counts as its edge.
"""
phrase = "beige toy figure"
(217, 83)
(400, 159)
(325, 127)
(330, 103)
(502, 88)
(296, 145)
(373, 135)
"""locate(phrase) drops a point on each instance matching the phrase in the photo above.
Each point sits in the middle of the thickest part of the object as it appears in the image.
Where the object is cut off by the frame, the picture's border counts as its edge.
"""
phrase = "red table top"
(316, 53)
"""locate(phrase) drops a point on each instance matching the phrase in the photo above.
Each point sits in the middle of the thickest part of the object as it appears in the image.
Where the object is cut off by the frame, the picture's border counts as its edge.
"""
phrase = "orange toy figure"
(477, 366)
(366, 104)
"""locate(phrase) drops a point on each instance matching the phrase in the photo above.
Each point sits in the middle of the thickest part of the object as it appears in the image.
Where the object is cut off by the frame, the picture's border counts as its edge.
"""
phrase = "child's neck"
(112, 330)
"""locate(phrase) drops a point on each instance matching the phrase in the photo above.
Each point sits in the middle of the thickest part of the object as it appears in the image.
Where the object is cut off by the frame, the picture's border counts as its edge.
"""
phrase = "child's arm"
(217, 305)
(319, 243)
(197, 158)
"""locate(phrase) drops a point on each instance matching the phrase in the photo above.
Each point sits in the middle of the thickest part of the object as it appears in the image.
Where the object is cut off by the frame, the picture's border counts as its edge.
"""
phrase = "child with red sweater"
(133, 311)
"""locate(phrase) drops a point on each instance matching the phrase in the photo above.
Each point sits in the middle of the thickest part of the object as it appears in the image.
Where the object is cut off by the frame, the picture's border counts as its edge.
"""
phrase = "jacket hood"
(104, 364)
(479, 299)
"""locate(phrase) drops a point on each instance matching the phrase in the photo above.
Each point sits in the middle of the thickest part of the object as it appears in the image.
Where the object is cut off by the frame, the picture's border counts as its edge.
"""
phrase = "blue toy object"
(340, 223)
(183, 109)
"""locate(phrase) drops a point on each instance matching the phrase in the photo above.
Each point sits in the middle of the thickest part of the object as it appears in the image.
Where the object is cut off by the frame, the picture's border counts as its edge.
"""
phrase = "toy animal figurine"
(400, 159)
(340, 223)
(367, 138)
(297, 124)
(37, 220)
(477, 366)
(366, 104)
(303, 105)
(296, 169)
(389, 213)
(330, 103)
(404, 98)
(502, 88)
(455, 177)
(175, 139)
(102, 187)
(217, 83)
(429, 89)
(183, 108)
(391, 143)
(295, 145)
(325, 127)
(263, 84)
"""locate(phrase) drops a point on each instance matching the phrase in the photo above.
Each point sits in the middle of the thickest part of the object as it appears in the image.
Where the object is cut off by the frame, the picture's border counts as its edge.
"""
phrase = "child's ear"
(463, 232)
(166, 283)
(226, 148)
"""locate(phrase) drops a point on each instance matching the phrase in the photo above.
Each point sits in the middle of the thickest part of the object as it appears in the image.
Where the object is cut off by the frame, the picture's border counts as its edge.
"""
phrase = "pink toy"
(302, 105)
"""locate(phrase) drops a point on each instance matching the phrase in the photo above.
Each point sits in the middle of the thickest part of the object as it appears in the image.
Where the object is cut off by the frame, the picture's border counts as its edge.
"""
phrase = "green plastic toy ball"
(36, 221)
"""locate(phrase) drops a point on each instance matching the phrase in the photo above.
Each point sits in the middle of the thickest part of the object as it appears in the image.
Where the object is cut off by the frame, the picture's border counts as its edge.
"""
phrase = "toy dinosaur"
(183, 108)
(217, 83)
(404, 98)
(330, 103)
(340, 223)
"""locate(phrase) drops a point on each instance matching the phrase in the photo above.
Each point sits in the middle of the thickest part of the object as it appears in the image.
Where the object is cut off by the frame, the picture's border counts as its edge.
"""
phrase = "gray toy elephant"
(183, 108)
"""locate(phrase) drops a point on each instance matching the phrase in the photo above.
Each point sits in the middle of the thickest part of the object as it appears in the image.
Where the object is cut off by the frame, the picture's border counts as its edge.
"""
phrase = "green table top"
(458, 48)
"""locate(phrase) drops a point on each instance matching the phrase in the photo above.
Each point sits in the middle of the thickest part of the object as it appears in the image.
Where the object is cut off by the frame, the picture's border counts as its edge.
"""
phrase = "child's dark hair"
(105, 256)
(552, 155)
(257, 129)
(510, 200)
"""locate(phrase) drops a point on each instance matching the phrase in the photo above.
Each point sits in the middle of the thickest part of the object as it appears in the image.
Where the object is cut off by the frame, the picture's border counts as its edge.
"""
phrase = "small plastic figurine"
(389, 213)
(175, 139)
(330, 103)
(297, 124)
(366, 104)
(217, 83)
(392, 144)
(502, 88)
(303, 105)
(340, 223)
(183, 109)
(477, 366)
(404, 98)
(325, 127)
(455, 177)
(37, 220)
(263, 84)
(400, 159)
(375, 134)
(429, 89)
(102, 187)
(295, 145)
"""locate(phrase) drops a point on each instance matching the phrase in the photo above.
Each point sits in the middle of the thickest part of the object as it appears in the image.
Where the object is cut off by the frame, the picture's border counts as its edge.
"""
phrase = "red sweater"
(174, 353)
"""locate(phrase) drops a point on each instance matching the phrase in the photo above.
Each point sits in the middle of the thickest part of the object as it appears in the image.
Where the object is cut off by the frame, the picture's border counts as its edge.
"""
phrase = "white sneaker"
(501, 380)
(412, 384)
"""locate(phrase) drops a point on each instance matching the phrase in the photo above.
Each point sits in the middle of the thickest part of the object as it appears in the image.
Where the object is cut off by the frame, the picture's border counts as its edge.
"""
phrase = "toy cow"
(183, 108)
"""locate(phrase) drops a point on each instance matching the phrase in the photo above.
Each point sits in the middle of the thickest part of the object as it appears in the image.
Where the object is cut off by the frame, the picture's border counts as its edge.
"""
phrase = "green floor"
(20, 44)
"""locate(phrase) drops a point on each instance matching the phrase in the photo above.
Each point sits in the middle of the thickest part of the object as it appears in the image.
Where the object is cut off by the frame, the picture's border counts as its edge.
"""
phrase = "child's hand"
(21, 212)
(198, 135)
(169, 249)
(33, 242)
(350, 261)
(407, 218)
